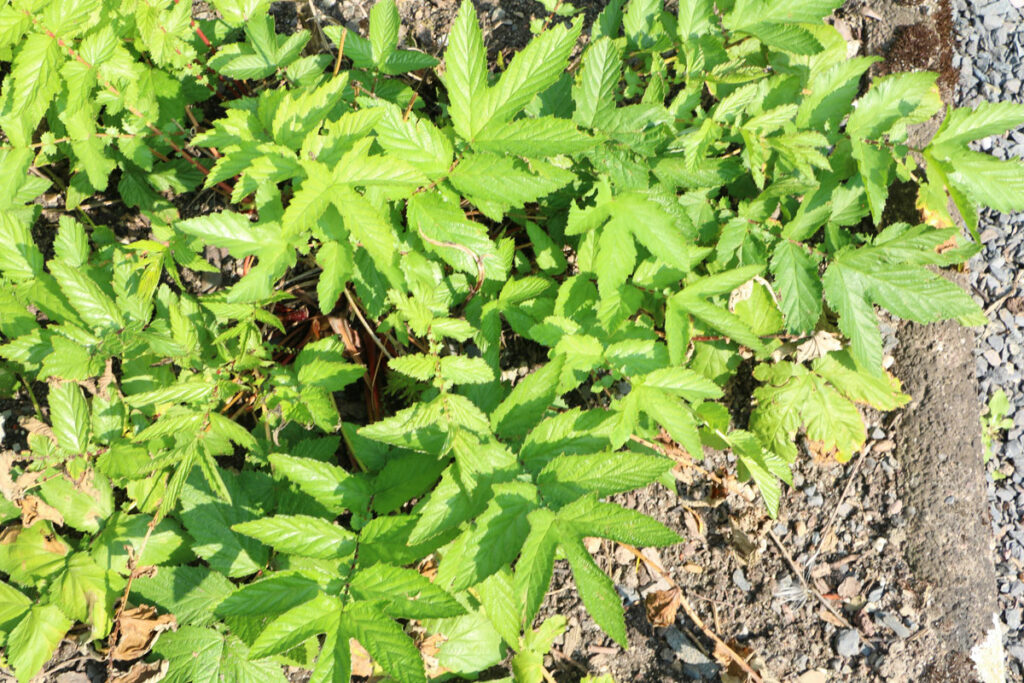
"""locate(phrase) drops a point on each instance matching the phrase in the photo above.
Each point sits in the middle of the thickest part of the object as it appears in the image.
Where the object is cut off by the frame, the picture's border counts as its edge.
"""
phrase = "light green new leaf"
(386, 642)
(275, 594)
(465, 370)
(904, 97)
(567, 477)
(676, 417)
(590, 517)
(86, 297)
(403, 593)
(596, 589)
(384, 25)
(523, 408)
(330, 485)
(541, 137)
(465, 74)
(20, 258)
(204, 654)
(989, 181)
(190, 593)
(963, 125)
(300, 535)
(233, 231)
(33, 641)
(796, 277)
(69, 413)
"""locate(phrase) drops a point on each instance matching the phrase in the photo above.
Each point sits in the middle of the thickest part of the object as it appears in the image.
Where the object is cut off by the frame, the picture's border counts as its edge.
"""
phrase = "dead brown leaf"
(817, 346)
(33, 509)
(139, 628)
(742, 543)
(52, 545)
(821, 454)
(37, 427)
(10, 534)
(428, 566)
(141, 672)
(362, 664)
(661, 606)
(694, 522)
(105, 380)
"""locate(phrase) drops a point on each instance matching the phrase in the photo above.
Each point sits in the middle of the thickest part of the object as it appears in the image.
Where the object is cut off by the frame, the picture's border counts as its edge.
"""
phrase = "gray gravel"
(991, 61)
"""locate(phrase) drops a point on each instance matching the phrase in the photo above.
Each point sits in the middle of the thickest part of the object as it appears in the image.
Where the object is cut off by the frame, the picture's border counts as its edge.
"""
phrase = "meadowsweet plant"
(691, 208)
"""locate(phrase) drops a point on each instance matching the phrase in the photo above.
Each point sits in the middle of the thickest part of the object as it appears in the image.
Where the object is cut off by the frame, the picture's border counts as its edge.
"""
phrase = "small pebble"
(848, 643)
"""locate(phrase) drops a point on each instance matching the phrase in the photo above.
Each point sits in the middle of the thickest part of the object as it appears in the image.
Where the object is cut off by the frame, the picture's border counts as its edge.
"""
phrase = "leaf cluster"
(696, 193)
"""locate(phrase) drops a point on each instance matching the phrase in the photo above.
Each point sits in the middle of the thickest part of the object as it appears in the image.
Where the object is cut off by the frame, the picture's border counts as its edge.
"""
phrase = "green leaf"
(963, 125)
(532, 70)
(523, 408)
(386, 642)
(33, 81)
(335, 261)
(676, 417)
(796, 277)
(540, 137)
(20, 258)
(240, 12)
(876, 167)
(86, 297)
(534, 566)
(203, 654)
(494, 539)
(300, 535)
(590, 517)
(298, 624)
(899, 98)
(328, 484)
(275, 594)
(654, 228)
(989, 181)
(472, 644)
(70, 416)
(465, 370)
(567, 477)
(595, 87)
(860, 278)
(616, 257)
(881, 392)
(465, 74)
(498, 597)
(415, 139)
(403, 593)
(506, 181)
(209, 521)
(192, 594)
(233, 231)
(34, 640)
(384, 25)
(596, 589)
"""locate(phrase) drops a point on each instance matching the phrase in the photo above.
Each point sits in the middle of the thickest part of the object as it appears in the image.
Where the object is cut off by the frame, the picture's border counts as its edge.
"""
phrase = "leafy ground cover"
(691, 209)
